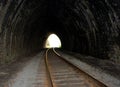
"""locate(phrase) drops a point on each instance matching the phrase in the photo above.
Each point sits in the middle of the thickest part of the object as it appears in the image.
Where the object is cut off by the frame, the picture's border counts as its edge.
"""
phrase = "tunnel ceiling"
(90, 27)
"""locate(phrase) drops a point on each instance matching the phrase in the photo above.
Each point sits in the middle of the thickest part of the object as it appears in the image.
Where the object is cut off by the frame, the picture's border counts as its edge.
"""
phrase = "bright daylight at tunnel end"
(53, 41)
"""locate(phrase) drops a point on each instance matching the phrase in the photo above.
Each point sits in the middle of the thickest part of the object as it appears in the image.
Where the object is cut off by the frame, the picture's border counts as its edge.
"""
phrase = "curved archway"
(53, 41)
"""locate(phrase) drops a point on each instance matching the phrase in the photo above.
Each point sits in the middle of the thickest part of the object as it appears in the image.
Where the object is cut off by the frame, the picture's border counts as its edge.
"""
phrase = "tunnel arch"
(91, 27)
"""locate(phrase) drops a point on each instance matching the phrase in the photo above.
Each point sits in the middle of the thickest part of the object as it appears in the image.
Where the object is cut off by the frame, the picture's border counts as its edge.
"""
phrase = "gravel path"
(27, 76)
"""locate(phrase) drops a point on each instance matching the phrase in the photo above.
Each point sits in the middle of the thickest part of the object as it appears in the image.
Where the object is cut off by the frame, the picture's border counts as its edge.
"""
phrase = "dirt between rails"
(8, 70)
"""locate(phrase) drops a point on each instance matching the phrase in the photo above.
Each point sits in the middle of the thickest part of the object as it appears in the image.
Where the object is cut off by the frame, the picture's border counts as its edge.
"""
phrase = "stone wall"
(90, 27)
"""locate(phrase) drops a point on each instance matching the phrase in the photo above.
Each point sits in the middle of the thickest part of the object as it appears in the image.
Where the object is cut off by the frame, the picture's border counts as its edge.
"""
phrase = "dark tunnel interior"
(89, 27)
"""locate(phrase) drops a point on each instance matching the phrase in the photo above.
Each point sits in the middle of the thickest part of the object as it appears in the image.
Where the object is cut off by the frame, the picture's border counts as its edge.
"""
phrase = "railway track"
(61, 73)
(49, 69)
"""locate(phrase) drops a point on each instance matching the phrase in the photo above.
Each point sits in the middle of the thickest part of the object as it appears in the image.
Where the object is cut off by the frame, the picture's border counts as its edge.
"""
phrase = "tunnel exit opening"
(53, 41)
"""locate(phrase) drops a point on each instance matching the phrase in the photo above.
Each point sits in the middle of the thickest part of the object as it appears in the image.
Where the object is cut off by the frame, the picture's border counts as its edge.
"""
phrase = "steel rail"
(48, 69)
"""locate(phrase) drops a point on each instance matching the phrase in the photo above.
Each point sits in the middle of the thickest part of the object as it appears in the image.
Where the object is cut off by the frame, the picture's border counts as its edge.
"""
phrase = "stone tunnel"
(89, 27)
